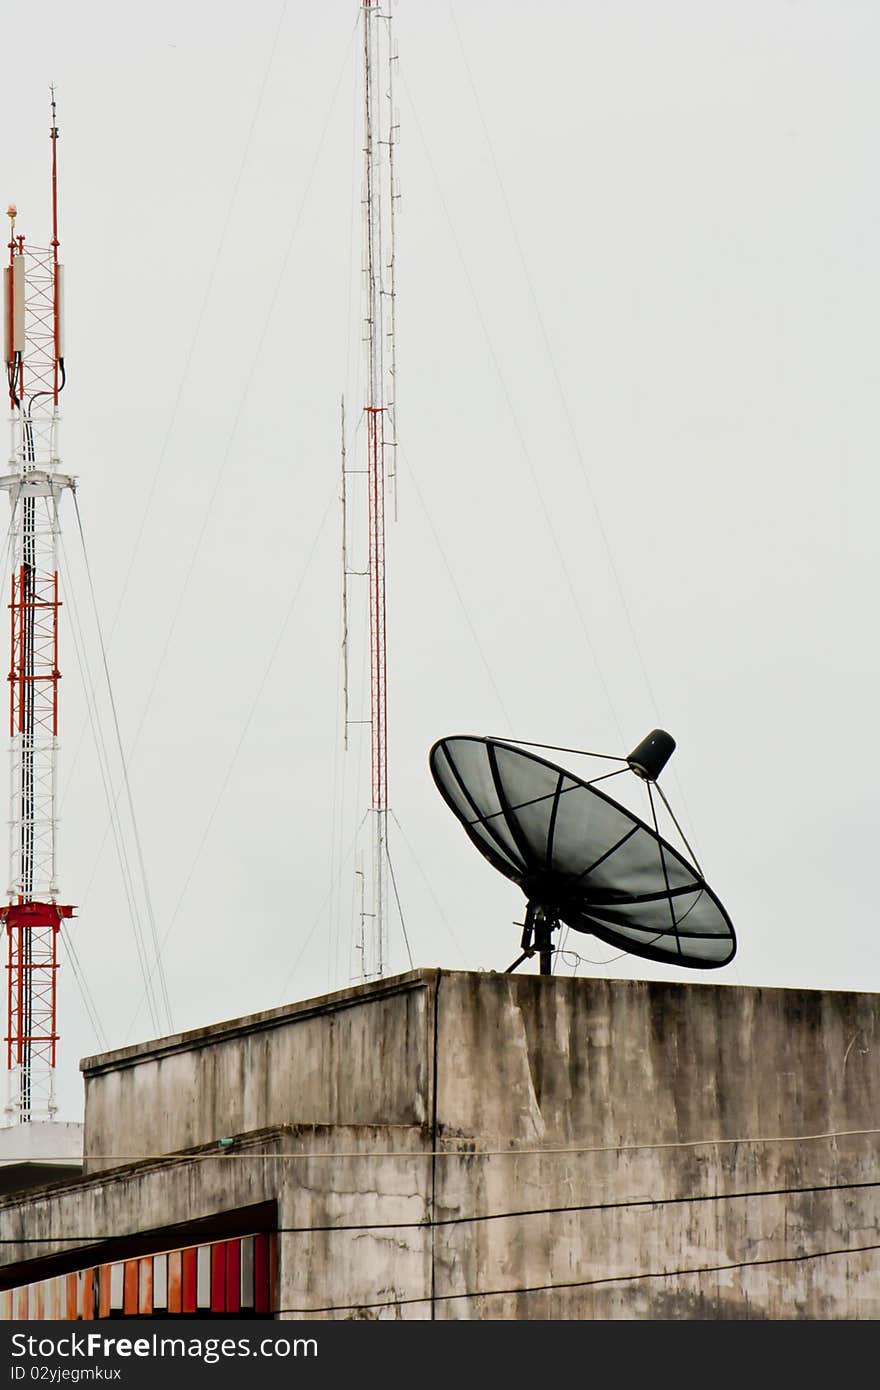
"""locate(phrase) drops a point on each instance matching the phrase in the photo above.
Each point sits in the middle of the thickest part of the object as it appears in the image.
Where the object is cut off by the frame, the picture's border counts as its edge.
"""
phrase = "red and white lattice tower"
(379, 198)
(35, 376)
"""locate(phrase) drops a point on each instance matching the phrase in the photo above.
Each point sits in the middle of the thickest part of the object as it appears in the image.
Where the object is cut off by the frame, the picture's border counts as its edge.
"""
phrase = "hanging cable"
(163, 984)
(628, 1278)
(239, 744)
(515, 421)
(456, 590)
(114, 824)
(468, 1153)
(212, 275)
(399, 908)
(187, 366)
(516, 1214)
(427, 883)
(313, 928)
(88, 998)
(563, 398)
(243, 399)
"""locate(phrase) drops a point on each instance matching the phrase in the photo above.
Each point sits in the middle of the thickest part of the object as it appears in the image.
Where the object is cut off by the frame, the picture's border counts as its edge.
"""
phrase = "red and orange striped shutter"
(175, 1281)
(87, 1294)
(228, 1276)
(233, 1276)
(188, 1280)
(145, 1285)
(160, 1283)
(261, 1274)
(218, 1278)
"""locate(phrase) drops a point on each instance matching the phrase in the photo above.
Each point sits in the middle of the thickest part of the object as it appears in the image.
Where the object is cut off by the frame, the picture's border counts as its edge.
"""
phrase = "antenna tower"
(379, 198)
(34, 355)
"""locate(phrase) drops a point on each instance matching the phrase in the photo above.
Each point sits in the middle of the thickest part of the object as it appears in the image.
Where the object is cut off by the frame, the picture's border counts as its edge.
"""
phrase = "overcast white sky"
(639, 270)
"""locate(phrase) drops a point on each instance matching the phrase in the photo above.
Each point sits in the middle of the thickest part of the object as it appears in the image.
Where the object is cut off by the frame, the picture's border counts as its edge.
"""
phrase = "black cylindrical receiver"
(649, 757)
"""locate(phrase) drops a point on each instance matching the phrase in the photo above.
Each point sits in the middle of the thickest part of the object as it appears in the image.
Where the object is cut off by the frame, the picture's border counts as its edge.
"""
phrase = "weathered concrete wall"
(316, 1175)
(617, 1061)
(638, 1147)
(613, 1065)
(357, 1057)
(378, 1251)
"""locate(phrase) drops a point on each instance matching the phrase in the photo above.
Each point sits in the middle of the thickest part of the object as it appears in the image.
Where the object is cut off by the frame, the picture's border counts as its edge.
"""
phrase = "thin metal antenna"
(376, 424)
(391, 292)
(56, 288)
(379, 196)
(342, 499)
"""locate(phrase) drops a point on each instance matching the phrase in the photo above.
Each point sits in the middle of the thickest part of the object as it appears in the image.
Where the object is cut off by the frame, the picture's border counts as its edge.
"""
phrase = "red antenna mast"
(379, 199)
(34, 356)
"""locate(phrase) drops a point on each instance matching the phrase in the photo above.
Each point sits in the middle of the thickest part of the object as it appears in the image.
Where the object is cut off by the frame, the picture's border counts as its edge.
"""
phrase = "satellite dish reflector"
(581, 858)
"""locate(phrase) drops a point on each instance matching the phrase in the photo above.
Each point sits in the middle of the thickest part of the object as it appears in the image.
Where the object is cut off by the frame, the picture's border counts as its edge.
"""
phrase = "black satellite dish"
(580, 858)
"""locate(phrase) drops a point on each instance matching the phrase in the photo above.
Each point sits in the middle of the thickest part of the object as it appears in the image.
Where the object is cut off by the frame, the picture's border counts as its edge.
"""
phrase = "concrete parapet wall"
(623, 1061)
(496, 1146)
(356, 1057)
(612, 1083)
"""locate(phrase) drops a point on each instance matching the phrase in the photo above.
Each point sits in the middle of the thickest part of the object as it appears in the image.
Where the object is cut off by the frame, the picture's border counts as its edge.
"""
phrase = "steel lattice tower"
(34, 355)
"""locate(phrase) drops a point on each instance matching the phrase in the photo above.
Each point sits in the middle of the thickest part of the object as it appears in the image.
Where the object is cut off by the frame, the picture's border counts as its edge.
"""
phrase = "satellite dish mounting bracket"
(540, 924)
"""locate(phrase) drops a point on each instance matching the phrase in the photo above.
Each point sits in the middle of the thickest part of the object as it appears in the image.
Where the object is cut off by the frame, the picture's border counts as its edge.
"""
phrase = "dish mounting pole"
(34, 357)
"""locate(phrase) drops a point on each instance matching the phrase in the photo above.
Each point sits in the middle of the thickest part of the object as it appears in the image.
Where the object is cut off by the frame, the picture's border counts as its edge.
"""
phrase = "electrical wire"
(478, 1218)
(551, 358)
(243, 399)
(632, 1277)
(230, 767)
(566, 409)
(246, 391)
(126, 781)
(212, 275)
(399, 908)
(559, 952)
(114, 822)
(606, 1279)
(458, 594)
(320, 912)
(569, 956)
(226, 1155)
(184, 376)
(86, 995)
(427, 882)
(527, 458)
(587, 1283)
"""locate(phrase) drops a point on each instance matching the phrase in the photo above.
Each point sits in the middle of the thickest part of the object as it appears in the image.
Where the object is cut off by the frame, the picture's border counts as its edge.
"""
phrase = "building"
(464, 1145)
(39, 1151)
